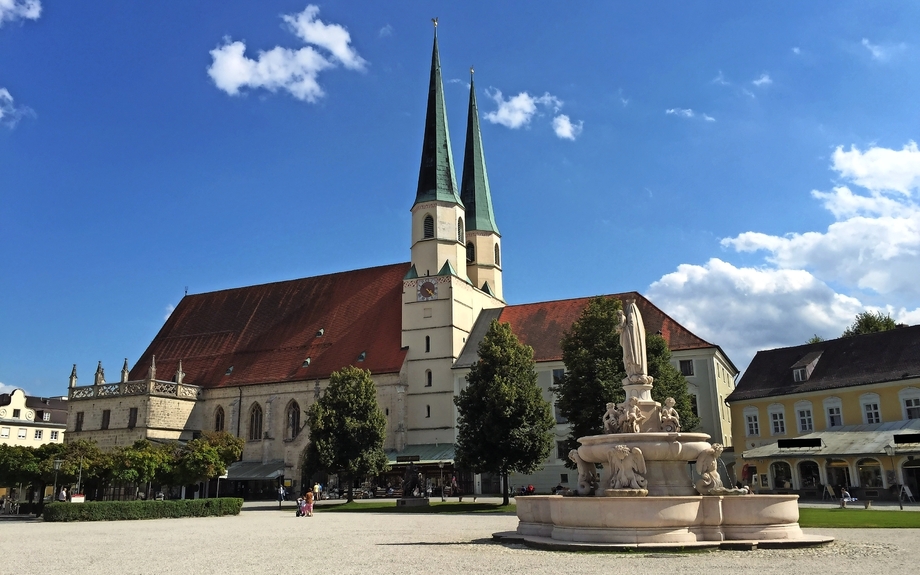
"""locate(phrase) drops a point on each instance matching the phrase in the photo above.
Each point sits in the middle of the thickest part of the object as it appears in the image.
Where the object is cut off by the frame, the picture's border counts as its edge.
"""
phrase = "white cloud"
(708, 118)
(517, 111)
(10, 114)
(813, 282)
(748, 309)
(4, 388)
(881, 169)
(720, 80)
(332, 37)
(763, 80)
(280, 68)
(11, 10)
(880, 52)
(169, 309)
(682, 112)
(565, 129)
(796, 50)
(385, 32)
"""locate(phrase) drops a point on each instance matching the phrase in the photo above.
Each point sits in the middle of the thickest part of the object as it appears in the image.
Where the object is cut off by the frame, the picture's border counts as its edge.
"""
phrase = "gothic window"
(429, 227)
(255, 422)
(78, 425)
(292, 427)
(132, 418)
(460, 230)
(106, 417)
(470, 253)
(219, 419)
(498, 259)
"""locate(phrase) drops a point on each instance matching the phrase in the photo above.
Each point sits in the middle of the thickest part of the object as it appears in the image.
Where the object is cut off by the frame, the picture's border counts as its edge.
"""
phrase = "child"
(308, 504)
(301, 507)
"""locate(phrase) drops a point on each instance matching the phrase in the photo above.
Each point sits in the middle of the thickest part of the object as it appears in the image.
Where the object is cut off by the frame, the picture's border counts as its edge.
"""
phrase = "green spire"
(474, 189)
(436, 179)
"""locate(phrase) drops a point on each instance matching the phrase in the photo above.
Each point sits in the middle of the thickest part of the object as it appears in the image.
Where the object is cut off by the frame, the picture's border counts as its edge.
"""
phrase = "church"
(251, 360)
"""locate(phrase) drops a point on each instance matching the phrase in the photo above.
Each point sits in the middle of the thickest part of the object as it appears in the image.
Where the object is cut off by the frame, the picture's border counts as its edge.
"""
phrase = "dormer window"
(800, 374)
(320, 332)
(229, 370)
(363, 356)
(802, 369)
(306, 363)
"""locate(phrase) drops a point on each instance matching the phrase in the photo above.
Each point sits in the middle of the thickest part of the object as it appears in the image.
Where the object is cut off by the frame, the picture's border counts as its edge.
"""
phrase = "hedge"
(118, 510)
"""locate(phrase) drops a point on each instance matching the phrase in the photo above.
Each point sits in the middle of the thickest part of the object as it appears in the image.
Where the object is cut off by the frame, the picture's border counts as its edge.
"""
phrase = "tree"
(347, 428)
(504, 425)
(669, 382)
(869, 322)
(594, 369)
(815, 339)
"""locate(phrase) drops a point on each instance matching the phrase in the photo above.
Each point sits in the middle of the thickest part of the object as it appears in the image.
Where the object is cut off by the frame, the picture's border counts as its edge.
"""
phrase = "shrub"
(118, 510)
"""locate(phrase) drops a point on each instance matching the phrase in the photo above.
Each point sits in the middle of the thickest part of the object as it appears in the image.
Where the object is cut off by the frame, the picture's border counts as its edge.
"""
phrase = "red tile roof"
(541, 325)
(265, 332)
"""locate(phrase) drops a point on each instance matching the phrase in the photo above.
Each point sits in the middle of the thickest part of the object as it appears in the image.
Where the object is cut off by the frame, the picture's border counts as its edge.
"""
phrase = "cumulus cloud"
(294, 71)
(385, 32)
(4, 388)
(10, 114)
(517, 111)
(11, 10)
(882, 52)
(813, 282)
(763, 80)
(565, 129)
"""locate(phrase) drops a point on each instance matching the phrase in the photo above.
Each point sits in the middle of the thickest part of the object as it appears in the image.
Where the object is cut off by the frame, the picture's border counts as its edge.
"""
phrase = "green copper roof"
(436, 179)
(448, 270)
(411, 274)
(474, 190)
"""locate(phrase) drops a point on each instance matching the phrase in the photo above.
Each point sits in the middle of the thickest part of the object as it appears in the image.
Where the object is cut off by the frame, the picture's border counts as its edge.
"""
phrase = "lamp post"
(57, 466)
(80, 476)
(441, 465)
(889, 451)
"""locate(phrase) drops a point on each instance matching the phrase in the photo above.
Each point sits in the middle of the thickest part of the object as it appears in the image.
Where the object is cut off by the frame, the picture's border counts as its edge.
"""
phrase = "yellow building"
(31, 421)
(814, 418)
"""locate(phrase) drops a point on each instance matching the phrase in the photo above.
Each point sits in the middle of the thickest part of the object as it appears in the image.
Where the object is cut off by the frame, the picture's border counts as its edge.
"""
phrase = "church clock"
(427, 291)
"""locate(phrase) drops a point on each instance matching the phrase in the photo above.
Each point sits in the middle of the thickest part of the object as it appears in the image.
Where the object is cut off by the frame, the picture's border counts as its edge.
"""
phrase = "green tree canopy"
(669, 382)
(504, 424)
(347, 428)
(815, 339)
(869, 322)
(593, 369)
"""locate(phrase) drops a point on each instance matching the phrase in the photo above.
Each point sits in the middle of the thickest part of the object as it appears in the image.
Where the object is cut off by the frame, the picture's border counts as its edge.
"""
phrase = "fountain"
(645, 494)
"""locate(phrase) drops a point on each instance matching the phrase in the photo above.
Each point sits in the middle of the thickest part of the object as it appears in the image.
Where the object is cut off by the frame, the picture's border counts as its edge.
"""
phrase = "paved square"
(270, 541)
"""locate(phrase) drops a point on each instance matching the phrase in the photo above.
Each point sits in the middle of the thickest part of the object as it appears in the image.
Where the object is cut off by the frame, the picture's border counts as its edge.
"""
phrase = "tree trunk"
(505, 500)
(351, 488)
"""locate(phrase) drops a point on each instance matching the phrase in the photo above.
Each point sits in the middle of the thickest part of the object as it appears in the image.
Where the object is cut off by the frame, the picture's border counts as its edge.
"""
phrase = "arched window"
(498, 259)
(292, 421)
(470, 253)
(833, 411)
(460, 230)
(429, 227)
(804, 417)
(219, 419)
(751, 422)
(870, 472)
(782, 475)
(255, 422)
(910, 403)
(427, 343)
(777, 414)
(808, 474)
(428, 378)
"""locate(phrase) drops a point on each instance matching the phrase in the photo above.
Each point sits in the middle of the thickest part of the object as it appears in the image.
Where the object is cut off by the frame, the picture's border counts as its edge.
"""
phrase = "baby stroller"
(301, 507)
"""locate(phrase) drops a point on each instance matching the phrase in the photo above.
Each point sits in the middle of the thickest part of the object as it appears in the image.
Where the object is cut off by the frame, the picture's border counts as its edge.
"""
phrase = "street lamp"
(57, 466)
(890, 451)
(441, 465)
(80, 476)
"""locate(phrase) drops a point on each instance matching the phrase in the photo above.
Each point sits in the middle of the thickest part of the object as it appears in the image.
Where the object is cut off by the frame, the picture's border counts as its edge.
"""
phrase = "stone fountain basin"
(660, 519)
(655, 446)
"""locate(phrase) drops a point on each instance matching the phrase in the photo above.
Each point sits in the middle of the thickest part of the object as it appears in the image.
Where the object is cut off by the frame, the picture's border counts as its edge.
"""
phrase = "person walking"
(455, 489)
(62, 496)
(309, 503)
(281, 494)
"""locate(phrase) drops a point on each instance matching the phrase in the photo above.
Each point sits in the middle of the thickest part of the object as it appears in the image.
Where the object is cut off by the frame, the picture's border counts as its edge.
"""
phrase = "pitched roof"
(846, 362)
(55, 406)
(541, 326)
(266, 332)
(436, 179)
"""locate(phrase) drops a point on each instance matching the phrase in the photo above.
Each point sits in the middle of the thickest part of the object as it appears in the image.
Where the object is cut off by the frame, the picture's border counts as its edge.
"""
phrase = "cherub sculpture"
(627, 468)
(587, 474)
(707, 466)
(631, 416)
(670, 419)
(612, 418)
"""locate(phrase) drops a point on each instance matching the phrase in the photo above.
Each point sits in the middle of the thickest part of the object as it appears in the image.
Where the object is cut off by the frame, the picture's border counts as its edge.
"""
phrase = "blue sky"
(751, 169)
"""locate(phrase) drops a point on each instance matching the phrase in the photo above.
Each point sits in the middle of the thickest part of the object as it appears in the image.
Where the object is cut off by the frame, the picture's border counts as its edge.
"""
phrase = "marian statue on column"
(632, 340)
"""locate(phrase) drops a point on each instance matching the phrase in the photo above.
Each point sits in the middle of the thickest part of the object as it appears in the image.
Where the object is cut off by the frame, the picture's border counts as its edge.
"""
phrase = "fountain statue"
(645, 492)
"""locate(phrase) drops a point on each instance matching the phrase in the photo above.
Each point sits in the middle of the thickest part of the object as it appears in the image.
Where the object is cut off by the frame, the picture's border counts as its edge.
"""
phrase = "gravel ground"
(265, 540)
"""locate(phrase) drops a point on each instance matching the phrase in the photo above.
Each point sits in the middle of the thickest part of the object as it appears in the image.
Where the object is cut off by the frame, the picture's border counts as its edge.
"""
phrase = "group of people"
(305, 504)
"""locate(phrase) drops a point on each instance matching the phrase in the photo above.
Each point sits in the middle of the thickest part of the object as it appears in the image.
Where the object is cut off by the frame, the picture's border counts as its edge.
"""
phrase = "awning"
(849, 440)
(427, 453)
(255, 470)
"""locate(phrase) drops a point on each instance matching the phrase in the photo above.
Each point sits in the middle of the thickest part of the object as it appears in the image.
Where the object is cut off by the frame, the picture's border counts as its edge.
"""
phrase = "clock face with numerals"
(427, 291)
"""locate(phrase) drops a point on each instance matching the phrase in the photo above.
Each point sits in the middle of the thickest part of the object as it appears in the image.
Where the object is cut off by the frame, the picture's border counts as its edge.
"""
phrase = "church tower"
(483, 241)
(440, 301)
